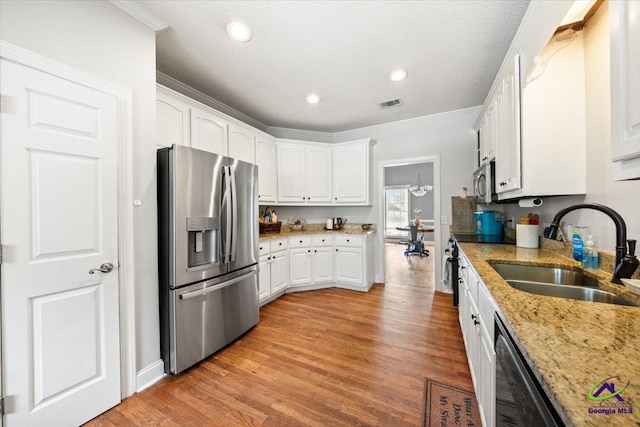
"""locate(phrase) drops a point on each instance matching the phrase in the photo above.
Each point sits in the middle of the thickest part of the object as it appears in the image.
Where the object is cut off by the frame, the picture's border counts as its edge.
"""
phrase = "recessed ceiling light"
(313, 98)
(398, 75)
(239, 31)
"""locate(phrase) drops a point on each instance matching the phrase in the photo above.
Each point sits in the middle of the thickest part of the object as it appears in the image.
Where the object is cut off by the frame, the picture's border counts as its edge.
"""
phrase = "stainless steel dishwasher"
(520, 400)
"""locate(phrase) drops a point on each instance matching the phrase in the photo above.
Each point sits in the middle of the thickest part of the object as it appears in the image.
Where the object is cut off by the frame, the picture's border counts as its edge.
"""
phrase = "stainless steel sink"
(557, 282)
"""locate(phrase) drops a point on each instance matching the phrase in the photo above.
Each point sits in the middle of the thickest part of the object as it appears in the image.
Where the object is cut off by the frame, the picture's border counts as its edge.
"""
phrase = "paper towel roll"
(530, 203)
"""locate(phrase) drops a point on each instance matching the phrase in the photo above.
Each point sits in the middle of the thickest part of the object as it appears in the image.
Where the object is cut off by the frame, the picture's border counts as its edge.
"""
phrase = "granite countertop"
(285, 231)
(570, 345)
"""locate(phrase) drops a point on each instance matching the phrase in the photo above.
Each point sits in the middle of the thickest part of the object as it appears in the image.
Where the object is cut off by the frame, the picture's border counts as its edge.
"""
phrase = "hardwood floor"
(330, 357)
(411, 270)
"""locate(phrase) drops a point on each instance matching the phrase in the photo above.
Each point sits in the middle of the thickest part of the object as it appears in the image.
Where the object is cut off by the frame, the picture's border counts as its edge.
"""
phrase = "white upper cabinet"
(304, 172)
(290, 172)
(352, 172)
(625, 88)
(242, 144)
(172, 118)
(507, 131)
(553, 156)
(292, 184)
(208, 132)
(487, 143)
(267, 172)
(319, 176)
(540, 133)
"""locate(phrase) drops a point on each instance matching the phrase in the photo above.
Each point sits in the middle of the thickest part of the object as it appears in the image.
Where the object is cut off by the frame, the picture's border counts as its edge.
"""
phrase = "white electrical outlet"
(444, 220)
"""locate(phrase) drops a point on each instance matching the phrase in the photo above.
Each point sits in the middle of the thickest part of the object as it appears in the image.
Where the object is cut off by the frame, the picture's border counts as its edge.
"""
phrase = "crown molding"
(195, 94)
(141, 14)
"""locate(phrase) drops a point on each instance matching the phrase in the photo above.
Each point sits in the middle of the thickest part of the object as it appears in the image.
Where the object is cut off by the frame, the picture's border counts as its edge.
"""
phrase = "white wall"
(448, 135)
(100, 39)
(622, 196)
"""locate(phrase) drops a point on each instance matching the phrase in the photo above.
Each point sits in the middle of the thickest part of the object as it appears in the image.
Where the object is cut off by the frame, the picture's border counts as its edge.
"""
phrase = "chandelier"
(420, 190)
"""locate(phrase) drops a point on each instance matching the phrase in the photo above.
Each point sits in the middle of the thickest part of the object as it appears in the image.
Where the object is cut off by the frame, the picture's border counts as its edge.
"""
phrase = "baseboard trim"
(351, 286)
(314, 287)
(150, 375)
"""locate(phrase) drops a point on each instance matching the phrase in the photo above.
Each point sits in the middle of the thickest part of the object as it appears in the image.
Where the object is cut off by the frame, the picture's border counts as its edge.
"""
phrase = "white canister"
(527, 236)
(330, 224)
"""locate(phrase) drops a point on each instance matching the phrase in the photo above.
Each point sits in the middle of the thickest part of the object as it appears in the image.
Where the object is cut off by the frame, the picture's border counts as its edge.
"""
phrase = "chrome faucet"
(626, 263)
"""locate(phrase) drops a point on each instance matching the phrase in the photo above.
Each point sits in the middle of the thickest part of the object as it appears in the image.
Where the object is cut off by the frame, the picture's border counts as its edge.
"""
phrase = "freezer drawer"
(209, 315)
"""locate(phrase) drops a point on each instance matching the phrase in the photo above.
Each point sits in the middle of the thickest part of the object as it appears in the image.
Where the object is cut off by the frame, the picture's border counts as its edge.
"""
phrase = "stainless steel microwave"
(484, 184)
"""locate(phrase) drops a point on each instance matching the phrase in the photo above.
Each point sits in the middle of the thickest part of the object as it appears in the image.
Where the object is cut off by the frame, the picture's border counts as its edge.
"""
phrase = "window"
(396, 210)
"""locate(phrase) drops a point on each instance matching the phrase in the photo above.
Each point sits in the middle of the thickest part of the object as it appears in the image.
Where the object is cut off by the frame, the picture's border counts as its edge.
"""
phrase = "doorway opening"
(405, 205)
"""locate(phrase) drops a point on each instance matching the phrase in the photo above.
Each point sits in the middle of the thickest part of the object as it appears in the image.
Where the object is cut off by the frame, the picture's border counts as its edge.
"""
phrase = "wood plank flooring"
(331, 357)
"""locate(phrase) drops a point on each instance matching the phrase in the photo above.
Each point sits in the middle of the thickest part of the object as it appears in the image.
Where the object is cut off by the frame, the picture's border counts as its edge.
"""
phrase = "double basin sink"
(557, 282)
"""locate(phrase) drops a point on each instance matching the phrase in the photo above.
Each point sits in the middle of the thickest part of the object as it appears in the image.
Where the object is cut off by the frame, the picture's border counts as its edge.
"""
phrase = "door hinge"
(1, 254)
(1, 406)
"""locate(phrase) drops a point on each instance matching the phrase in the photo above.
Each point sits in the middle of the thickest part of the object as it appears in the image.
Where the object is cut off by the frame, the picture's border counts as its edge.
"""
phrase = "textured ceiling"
(341, 50)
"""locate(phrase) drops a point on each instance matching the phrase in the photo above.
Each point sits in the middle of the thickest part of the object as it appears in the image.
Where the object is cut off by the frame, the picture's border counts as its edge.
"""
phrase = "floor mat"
(445, 405)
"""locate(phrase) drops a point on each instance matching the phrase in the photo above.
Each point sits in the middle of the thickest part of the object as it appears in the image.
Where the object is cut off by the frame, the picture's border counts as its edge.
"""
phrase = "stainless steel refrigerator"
(208, 253)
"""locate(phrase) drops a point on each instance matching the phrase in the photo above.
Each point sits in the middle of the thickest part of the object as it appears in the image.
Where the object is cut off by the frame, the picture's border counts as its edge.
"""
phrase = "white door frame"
(435, 159)
(19, 55)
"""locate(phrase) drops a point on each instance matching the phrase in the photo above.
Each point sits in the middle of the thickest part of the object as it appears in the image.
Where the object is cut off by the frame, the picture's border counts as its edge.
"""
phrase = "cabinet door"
(488, 143)
(300, 266)
(351, 174)
(267, 173)
(172, 121)
(208, 132)
(486, 392)
(291, 173)
(463, 312)
(508, 148)
(322, 264)
(625, 88)
(279, 272)
(264, 278)
(242, 145)
(319, 176)
(473, 341)
(348, 265)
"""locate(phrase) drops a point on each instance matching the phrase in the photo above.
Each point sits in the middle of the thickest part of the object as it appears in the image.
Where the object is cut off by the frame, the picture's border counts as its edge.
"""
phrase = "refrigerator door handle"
(226, 208)
(233, 214)
(205, 291)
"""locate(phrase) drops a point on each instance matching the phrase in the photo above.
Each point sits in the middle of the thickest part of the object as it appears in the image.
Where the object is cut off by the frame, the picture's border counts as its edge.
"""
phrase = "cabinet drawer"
(299, 241)
(322, 240)
(278, 245)
(264, 247)
(349, 240)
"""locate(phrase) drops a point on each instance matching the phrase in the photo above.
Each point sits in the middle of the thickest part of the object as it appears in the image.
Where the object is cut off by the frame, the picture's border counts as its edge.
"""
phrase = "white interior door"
(58, 153)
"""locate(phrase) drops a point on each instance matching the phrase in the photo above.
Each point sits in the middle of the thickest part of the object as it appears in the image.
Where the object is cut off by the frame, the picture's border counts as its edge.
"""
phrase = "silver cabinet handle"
(104, 268)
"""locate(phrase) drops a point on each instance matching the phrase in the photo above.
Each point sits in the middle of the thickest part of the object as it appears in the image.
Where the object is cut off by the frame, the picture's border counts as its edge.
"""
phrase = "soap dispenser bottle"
(590, 257)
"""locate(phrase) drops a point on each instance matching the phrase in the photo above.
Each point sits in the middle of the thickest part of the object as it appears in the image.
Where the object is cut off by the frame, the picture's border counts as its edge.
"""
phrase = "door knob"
(104, 268)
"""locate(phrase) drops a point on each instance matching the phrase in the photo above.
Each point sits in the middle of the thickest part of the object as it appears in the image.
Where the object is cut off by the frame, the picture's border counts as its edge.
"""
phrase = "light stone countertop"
(570, 345)
(285, 231)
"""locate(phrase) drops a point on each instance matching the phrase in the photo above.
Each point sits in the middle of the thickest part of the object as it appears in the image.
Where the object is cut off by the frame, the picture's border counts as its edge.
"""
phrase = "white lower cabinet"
(311, 262)
(476, 315)
(316, 261)
(354, 261)
(349, 265)
(273, 267)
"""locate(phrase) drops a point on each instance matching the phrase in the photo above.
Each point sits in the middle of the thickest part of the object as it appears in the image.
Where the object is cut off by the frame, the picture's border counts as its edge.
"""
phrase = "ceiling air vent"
(391, 103)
